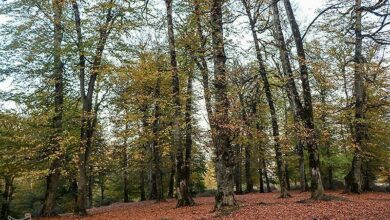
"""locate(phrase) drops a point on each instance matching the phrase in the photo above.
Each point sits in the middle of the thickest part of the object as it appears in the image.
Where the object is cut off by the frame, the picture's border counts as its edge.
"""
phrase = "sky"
(306, 8)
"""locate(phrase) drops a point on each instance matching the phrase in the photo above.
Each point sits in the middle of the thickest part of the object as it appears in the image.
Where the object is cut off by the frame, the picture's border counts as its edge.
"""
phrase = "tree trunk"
(202, 65)
(330, 177)
(287, 177)
(354, 179)
(142, 185)
(301, 161)
(248, 174)
(237, 169)
(274, 121)
(184, 184)
(267, 182)
(247, 149)
(317, 189)
(224, 151)
(156, 151)
(88, 117)
(7, 197)
(125, 174)
(327, 143)
(102, 187)
(152, 193)
(261, 180)
(260, 170)
(53, 179)
(183, 195)
(171, 185)
(148, 152)
(90, 188)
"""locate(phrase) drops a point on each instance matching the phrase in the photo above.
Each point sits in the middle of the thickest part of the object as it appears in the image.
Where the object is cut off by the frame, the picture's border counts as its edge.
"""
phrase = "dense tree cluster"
(124, 100)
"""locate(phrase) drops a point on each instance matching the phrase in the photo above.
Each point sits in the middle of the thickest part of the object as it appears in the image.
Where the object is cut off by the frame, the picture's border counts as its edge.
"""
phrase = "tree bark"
(224, 151)
(7, 196)
(202, 65)
(261, 180)
(125, 158)
(171, 185)
(247, 150)
(237, 169)
(248, 173)
(274, 121)
(156, 151)
(53, 178)
(287, 177)
(267, 182)
(90, 187)
(88, 117)
(183, 195)
(147, 147)
(102, 187)
(184, 185)
(354, 179)
(301, 162)
(317, 189)
(142, 185)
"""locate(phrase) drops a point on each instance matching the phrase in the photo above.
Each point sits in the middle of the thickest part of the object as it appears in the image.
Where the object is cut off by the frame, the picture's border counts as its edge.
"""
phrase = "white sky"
(306, 11)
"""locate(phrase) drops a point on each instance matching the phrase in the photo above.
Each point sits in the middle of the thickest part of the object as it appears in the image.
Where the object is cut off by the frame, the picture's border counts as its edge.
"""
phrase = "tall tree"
(156, 145)
(354, 179)
(183, 195)
(224, 151)
(87, 128)
(125, 158)
(317, 187)
(52, 180)
(202, 65)
(184, 187)
(275, 127)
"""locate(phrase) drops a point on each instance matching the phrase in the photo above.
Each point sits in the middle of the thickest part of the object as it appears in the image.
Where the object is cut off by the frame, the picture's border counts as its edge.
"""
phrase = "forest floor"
(252, 206)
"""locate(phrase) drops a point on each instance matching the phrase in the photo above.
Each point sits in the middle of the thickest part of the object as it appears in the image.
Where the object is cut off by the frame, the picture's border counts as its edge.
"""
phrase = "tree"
(87, 119)
(317, 188)
(182, 190)
(224, 151)
(52, 180)
(267, 88)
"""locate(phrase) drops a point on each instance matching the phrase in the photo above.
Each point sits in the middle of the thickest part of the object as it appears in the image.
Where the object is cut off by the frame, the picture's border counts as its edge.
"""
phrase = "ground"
(252, 206)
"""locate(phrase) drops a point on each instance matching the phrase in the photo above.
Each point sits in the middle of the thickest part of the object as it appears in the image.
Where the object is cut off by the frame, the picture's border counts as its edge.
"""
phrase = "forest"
(194, 109)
